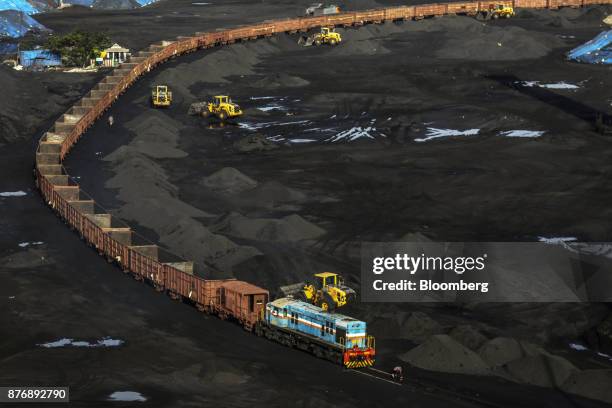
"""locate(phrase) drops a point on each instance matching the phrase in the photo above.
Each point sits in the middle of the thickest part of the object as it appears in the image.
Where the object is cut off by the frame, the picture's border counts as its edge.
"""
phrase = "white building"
(115, 55)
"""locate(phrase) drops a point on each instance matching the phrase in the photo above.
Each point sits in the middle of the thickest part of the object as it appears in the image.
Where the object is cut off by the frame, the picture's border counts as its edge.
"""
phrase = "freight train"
(334, 337)
(338, 338)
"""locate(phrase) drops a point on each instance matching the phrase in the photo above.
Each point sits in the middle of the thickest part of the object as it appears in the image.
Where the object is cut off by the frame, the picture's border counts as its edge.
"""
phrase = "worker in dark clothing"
(397, 374)
(111, 121)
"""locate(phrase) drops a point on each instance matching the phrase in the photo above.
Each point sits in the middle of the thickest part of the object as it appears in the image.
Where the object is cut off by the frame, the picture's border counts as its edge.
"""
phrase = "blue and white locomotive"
(332, 336)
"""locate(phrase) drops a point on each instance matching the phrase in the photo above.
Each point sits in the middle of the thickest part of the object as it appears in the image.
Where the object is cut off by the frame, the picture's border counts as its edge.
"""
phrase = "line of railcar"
(304, 327)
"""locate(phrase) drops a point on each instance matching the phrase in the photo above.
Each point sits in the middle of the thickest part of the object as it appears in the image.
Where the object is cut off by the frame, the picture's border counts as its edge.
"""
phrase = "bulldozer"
(161, 97)
(328, 292)
(496, 11)
(222, 108)
(327, 35)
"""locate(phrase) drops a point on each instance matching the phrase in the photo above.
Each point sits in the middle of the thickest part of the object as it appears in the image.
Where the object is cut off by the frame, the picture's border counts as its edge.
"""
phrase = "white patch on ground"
(251, 126)
(555, 85)
(262, 125)
(11, 297)
(435, 133)
(302, 140)
(578, 347)
(27, 244)
(353, 133)
(200, 4)
(297, 122)
(277, 138)
(604, 355)
(65, 342)
(127, 396)
(522, 133)
(57, 343)
(557, 240)
(271, 107)
(257, 98)
(13, 194)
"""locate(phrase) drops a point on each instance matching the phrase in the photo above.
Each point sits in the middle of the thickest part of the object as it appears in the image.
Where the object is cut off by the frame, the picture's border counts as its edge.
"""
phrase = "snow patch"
(522, 133)
(604, 355)
(435, 133)
(557, 240)
(555, 85)
(353, 133)
(578, 347)
(27, 244)
(302, 140)
(257, 98)
(104, 342)
(271, 107)
(257, 126)
(127, 396)
(13, 194)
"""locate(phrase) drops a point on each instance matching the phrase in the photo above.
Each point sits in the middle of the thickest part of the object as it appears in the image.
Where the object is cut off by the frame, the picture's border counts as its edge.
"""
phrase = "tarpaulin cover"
(16, 24)
(86, 3)
(19, 5)
(8, 48)
(596, 51)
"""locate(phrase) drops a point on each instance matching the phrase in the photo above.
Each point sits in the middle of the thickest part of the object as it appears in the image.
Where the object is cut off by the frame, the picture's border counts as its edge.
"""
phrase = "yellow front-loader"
(325, 36)
(222, 108)
(495, 11)
(328, 291)
(161, 97)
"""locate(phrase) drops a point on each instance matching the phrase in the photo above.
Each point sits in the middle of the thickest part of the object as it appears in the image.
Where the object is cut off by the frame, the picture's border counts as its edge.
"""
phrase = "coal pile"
(115, 4)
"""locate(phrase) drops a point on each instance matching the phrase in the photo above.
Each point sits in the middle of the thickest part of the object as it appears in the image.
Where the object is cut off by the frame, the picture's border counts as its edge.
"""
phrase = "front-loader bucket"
(306, 41)
(289, 290)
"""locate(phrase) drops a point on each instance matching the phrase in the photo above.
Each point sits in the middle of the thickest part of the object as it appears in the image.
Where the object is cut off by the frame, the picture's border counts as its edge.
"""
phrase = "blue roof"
(41, 58)
(314, 310)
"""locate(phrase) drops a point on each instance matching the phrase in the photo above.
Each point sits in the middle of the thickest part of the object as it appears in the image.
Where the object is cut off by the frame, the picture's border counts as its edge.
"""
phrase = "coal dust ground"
(443, 129)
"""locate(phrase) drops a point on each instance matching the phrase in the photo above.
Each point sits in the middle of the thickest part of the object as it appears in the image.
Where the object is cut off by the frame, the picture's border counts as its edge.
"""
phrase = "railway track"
(115, 241)
(427, 388)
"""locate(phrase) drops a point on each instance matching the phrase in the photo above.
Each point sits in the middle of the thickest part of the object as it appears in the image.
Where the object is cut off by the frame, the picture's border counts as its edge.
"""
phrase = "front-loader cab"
(221, 99)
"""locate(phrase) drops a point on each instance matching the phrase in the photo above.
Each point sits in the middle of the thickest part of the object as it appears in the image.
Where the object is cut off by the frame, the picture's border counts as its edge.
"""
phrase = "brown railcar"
(569, 3)
(74, 218)
(206, 294)
(179, 283)
(93, 234)
(530, 3)
(469, 8)
(343, 19)
(371, 16)
(144, 267)
(242, 301)
(399, 13)
(429, 10)
(116, 250)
